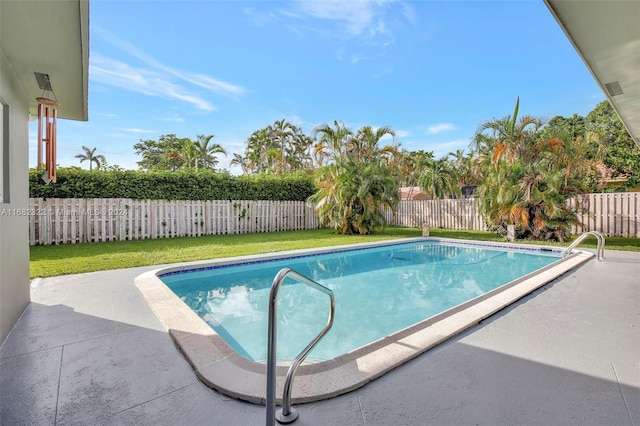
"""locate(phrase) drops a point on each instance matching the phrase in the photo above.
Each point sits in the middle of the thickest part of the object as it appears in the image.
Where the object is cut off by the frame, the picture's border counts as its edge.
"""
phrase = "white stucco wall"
(14, 231)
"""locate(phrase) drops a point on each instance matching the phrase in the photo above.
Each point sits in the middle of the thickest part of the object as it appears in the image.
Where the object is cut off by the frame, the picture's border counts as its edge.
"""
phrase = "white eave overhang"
(606, 35)
(49, 37)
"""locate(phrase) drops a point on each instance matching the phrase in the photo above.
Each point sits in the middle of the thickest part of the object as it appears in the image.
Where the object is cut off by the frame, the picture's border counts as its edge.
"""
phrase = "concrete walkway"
(88, 350)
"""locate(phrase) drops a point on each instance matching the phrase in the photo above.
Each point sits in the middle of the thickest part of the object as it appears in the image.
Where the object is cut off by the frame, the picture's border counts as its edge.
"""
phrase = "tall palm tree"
(289, 147)
(206, 152)
(90, 156)
(278, 148)
(358, 178)
(242, 161)
(331, 142)
(509, 137)
(364, 145)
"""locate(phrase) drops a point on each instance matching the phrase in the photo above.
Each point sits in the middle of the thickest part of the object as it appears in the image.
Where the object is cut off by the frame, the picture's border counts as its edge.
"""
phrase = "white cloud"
(444, 148)
(149, 82)
(438, 128)
(352, 18)
(402, 133)
(356, 16)
(167, 73)
(357, 58)
(136, 130)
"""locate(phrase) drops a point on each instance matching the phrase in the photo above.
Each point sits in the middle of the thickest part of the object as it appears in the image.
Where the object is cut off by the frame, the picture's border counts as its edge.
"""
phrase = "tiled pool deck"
(88, 350)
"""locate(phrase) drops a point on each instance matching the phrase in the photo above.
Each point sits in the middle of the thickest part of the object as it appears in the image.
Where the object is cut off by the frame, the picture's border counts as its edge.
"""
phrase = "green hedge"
(74, 182)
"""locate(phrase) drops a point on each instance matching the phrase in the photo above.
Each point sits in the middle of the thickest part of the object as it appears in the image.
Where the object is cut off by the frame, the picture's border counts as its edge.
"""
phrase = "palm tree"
(331, 142)
(242, 161)
(186, 152)
(206, 152)
(198, 153)
(439, 178)
(527, 177)
(278, 148)
(289, 147)
(358, 179)
(90, 156)
(364, 146)
(352, 195)
(509, 137)
(412, 165)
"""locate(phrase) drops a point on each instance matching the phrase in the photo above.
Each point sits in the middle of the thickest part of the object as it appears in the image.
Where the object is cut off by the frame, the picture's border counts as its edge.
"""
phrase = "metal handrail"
(288, 414)
(598, 235)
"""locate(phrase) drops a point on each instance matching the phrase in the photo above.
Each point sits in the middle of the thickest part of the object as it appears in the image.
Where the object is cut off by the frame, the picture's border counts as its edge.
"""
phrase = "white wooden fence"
(72, 220)
(451, 214)
(614, 214)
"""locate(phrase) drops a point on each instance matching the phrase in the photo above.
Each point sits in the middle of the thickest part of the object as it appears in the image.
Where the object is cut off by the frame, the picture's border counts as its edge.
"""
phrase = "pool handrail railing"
(288, 414)
(600, 249)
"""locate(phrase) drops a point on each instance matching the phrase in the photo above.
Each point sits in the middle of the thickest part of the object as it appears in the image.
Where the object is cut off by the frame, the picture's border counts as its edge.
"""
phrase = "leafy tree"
(156, 154)
(91, 156)
(573, 127)
(620, 153)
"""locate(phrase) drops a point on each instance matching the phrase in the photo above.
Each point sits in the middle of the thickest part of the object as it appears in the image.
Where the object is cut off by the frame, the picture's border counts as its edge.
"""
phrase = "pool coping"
(218, 366)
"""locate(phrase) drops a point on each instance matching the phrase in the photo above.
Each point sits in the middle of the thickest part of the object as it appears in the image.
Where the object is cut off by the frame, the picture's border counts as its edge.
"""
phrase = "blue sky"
(432, 70)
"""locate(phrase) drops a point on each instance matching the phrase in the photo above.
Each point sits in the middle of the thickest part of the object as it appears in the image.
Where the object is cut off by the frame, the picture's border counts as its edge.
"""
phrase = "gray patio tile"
(192, 405)
(105, 376)
(108, 294)
(585, 336)
(460, 384)
(629, 379)
(42, 327)
(343, 410)
(130, 310)
(29, 391)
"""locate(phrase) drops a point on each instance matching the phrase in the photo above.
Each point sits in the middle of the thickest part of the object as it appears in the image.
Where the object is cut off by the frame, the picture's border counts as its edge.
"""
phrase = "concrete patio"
(88, 350)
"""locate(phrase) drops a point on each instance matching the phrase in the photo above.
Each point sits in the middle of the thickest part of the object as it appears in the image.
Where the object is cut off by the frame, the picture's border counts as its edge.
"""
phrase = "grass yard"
(48, 261)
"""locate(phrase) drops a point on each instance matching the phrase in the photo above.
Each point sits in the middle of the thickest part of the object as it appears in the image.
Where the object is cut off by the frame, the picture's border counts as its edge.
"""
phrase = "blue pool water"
(378, 291)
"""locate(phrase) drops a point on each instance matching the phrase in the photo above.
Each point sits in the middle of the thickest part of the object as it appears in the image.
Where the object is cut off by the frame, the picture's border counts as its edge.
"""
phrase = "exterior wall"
(14, 237)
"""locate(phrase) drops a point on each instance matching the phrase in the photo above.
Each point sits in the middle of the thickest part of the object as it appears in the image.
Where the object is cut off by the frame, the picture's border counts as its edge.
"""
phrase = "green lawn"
(48, 261)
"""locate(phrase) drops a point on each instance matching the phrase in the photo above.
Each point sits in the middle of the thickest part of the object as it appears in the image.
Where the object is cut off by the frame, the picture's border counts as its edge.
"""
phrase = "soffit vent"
(614, 88)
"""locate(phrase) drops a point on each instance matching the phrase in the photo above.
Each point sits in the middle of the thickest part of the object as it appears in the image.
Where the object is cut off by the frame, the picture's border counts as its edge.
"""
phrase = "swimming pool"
(226, 340)
(378, 291)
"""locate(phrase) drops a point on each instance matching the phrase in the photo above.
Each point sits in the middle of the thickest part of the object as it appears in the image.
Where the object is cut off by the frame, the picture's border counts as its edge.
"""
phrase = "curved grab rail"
(598, 235)
(288, 414)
